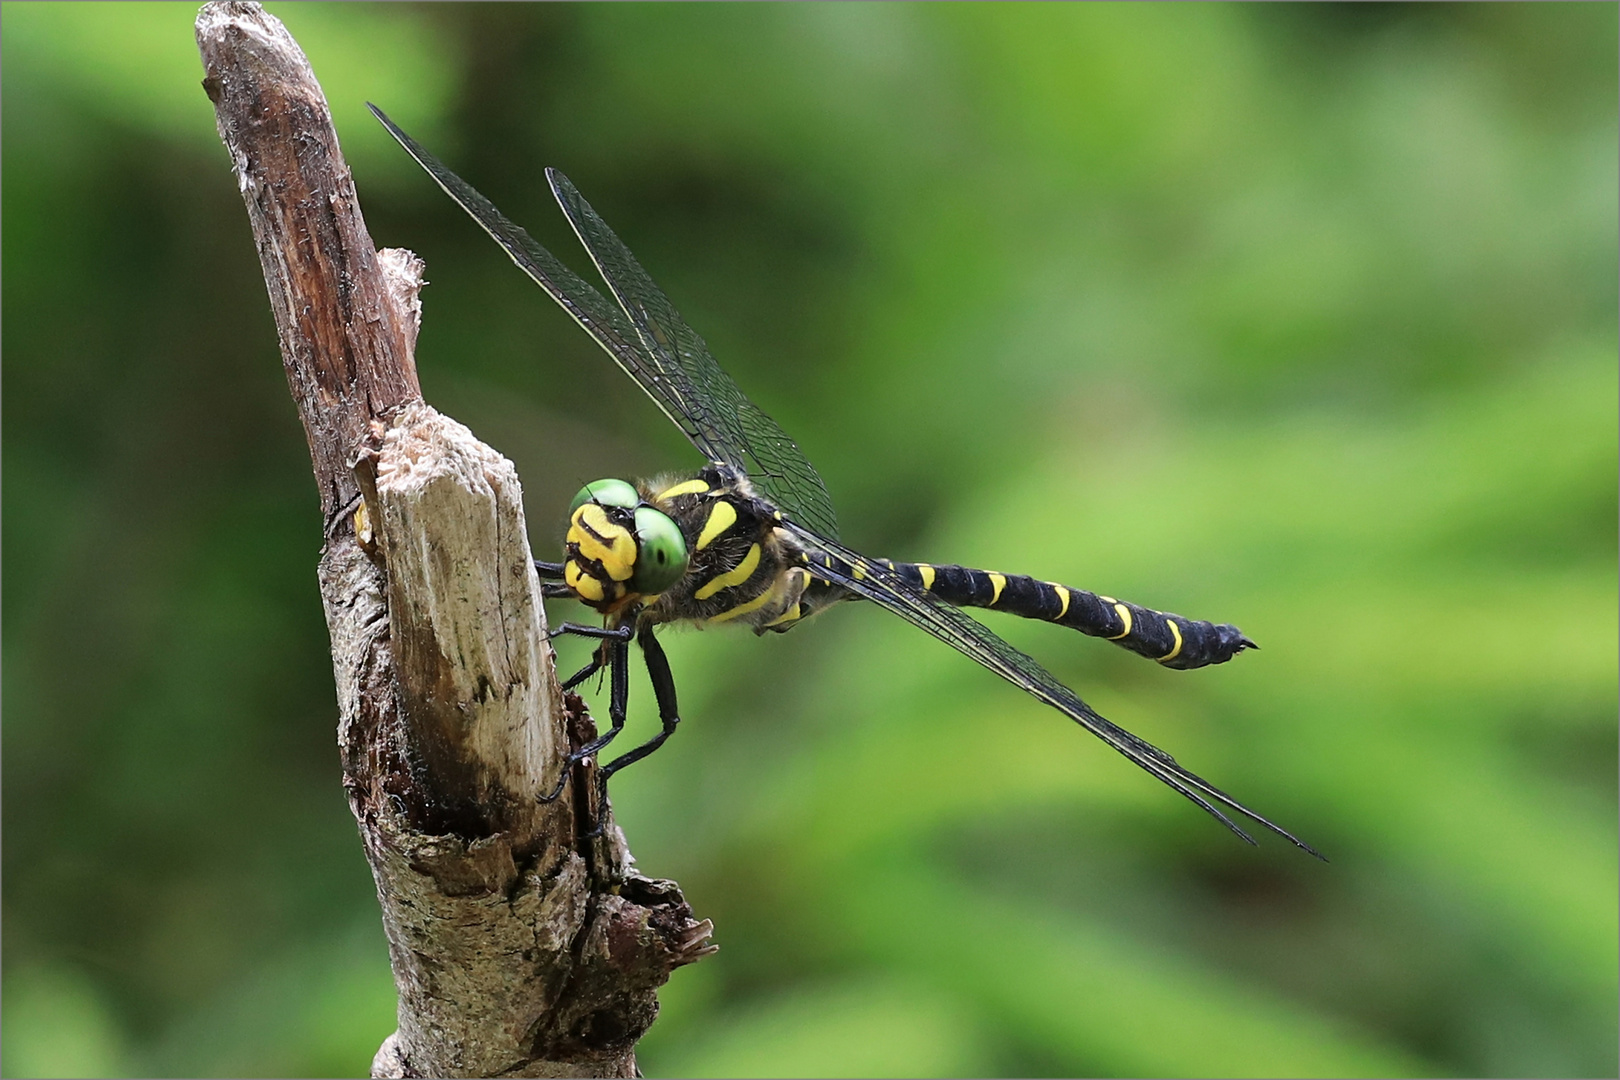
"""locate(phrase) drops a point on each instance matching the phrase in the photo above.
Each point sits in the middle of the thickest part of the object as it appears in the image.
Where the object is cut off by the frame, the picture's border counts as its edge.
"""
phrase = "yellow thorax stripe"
(744, 608)
(1173, 653)
(721, 518)
(685, 487)
(927, 573)
(742, 573)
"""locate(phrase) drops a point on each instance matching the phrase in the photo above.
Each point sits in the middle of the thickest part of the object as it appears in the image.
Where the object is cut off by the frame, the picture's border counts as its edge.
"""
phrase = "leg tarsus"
(622, 633)
(616, 642)
(614, 653)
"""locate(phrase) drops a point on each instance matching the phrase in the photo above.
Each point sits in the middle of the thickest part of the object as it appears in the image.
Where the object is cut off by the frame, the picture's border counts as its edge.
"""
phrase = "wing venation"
(647, 337)
(834, 563)
(719, 414)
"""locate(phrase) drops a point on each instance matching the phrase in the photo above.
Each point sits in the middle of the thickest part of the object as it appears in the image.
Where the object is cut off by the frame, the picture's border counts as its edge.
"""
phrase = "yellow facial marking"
(1173, 653)
(721, 518)
(997, 582)
(792, 614)
(686, 487)
(607, 543)
(927, 573)
(587, 587)
(1063, 594)
(1124, 614)
(744, 608)
(742, 573)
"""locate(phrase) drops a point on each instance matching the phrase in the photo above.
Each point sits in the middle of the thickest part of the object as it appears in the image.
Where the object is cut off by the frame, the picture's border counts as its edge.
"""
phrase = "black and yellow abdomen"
(1172, 640)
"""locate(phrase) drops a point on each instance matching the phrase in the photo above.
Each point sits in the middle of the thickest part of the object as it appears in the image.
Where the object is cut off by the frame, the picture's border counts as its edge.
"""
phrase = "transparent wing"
(649, 340)
(836, 564)
(600, 317)
(719, 416)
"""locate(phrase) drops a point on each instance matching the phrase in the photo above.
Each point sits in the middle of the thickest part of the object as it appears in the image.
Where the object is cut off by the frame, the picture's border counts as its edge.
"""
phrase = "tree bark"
(518, 949)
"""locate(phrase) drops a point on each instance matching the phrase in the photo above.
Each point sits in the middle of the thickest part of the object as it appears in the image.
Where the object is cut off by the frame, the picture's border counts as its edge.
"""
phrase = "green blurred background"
(1298, 317)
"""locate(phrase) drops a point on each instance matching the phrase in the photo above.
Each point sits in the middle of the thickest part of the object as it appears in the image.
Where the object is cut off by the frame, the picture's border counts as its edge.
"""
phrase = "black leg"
(551, 583)
(613, 653)
(664, 690)
(598, 658)
(622, 633)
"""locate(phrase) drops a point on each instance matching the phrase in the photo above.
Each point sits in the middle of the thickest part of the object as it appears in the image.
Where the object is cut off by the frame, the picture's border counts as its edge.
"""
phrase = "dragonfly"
(752, 538)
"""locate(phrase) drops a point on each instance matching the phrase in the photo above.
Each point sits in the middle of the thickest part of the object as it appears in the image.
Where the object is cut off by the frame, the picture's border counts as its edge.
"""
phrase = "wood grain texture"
(518, 948)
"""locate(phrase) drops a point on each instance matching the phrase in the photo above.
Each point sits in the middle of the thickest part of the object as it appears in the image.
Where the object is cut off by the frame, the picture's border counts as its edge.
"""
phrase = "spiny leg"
(663, 684)
(614, 652)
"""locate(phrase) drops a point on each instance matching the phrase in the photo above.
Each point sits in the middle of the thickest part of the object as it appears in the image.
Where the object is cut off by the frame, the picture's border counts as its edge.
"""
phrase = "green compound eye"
(661, 559)
(606, 492)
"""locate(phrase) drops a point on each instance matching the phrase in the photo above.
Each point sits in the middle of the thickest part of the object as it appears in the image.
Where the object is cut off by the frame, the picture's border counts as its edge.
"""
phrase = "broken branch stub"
(480, 695)
(517, 948)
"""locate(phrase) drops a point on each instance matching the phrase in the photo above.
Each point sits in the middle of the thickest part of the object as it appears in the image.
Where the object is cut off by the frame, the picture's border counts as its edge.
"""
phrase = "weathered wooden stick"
(517, 949)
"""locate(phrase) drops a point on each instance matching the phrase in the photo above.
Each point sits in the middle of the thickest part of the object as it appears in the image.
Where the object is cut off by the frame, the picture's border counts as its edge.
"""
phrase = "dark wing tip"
(1246, 812)
(1290, 837)
(1278, 829)
(1303, 846)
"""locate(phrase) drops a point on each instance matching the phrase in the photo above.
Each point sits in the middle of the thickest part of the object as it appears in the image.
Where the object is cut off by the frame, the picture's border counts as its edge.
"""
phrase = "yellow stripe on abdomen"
(927, 573)
(1063, 594)
(1173, 653)
(997, 583)
(1124, 615)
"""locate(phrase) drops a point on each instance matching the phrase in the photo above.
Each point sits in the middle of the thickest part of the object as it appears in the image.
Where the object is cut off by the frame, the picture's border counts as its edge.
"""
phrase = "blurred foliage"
(1301, 317)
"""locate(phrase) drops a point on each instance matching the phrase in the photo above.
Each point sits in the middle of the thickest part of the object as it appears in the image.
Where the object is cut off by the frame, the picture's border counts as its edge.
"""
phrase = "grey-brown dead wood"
(517, 949)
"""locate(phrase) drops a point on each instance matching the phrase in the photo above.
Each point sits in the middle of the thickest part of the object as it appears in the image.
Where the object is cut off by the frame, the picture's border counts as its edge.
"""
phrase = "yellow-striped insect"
(753, 539)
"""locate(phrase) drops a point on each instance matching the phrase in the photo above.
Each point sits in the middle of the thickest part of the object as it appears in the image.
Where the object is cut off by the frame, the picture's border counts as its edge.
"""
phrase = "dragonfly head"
(620, 548)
